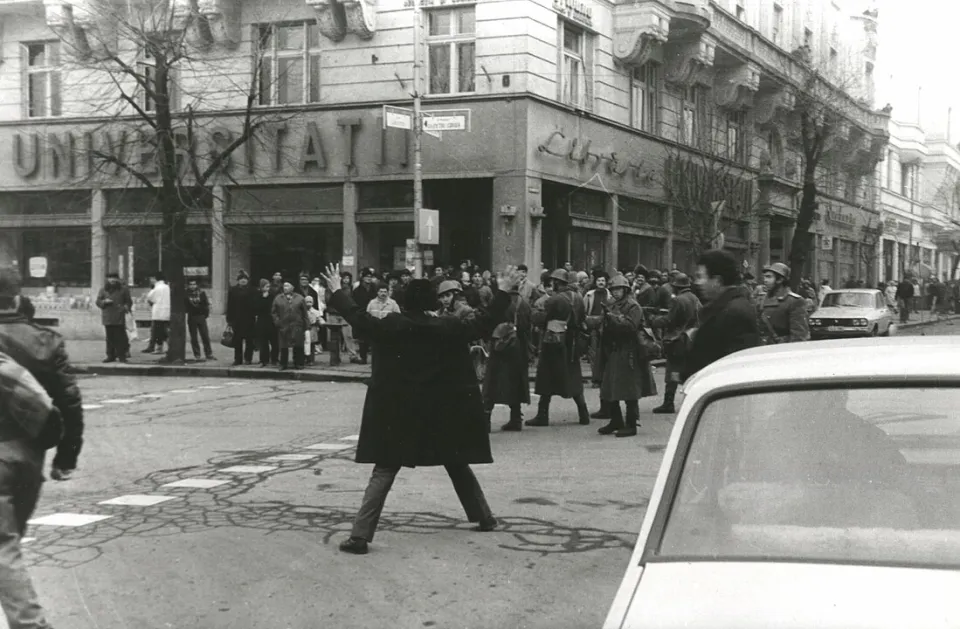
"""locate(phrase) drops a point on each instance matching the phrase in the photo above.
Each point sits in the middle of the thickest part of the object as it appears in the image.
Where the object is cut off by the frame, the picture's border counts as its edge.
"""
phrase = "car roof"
(830, 361)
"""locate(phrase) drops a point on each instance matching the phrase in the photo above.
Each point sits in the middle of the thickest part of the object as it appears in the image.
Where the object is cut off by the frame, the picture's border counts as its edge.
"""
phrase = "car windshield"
(849, 300)
(866, 475)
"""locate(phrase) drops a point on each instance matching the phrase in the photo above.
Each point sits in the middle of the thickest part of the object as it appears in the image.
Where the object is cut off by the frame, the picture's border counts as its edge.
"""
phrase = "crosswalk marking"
(197, 483)
(292, 457)
(210, 387)
(152, 395)
(137, 500)
(351, 438)
(68, 519)
(90, 407)
(123, 401)
(248, 469)
(328, 446)
(184, 391)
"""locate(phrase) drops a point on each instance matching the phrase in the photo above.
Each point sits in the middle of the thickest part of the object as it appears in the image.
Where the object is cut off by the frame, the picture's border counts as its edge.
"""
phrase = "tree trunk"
(174, 226)
(800, 246)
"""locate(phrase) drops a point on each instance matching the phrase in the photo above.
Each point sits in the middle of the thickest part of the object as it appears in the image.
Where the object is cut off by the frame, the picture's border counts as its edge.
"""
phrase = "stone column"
(614, 239)
(815, 259)
(764, 239)
(835, 279)
(350, 243)
(878, 262)
(896, 261)
(220, 256)
(99, 251)
(667, 262)
(513, 230)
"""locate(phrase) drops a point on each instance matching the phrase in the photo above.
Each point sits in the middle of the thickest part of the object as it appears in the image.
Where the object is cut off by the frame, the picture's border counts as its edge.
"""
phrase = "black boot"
(543, 413)
(633, 416)
(489, 420)
(516, 420)
(604, 412)
(582, 410)
(616, 419)
(668, 396)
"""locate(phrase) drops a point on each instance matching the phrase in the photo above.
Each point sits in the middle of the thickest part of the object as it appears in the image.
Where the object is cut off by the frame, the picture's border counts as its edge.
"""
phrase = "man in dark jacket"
(362, 296)
(905, 298)
(423, 405)
(678, 325)
(728, 322)
(197, 306)
(41, 352)
(114, 303)
(242, 319)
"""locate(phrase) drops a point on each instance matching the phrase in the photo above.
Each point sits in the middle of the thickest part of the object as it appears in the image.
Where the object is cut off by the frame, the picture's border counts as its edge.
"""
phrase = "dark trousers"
(904, 310)
(381, 480)
(198, 324)
(158, 333)
(269, 348)
(298, 356)
(118, 343)
(363, 349)
(68, 450)
(243, 349)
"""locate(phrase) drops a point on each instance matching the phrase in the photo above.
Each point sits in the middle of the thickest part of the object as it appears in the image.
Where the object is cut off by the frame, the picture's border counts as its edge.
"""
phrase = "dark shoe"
(356, 361)
(664, 409)
(627, 431)
(58, 474)
(199, 359)
(354, 546)
(149, 350)
(584, 419)
(264, 364)
(601, 414)
(109, 360)
(514, 425)
(538, 421)
(123, 360)
(485, 526)
(611, 427)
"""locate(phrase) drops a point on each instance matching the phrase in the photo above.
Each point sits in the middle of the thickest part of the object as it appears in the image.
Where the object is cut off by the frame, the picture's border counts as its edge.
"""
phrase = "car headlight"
(861, 322)
(814, 322)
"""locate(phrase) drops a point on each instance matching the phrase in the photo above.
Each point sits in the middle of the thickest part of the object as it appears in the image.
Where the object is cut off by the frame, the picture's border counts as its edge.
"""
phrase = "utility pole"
(417, 137)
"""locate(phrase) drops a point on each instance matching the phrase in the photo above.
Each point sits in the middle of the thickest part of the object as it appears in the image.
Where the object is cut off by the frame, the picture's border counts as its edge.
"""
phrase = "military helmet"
(619, 282)
(778, 268)
(561, 275)
(680, 280)
(449, 285)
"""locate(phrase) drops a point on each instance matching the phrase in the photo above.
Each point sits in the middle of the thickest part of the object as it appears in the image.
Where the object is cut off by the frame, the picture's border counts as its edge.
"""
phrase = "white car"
(852, 312)
(807, 486)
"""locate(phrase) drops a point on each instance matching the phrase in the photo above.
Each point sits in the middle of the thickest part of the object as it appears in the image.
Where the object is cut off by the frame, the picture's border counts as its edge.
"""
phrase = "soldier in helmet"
(783, 313)
(450, 306)
(677, 325)
(558, 371)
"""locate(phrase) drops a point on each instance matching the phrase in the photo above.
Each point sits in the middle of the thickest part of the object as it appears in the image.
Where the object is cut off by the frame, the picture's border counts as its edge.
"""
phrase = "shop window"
(288, 58)
(588, 204)
(643, 213)
(41, 75)
(575, 63)
(144, 201)
(385, 194)
(286, 200)
(633, 250)
(588, 248)
(451, 45)
(67, 250)
(645, 93)
(147, 67)
(45, 203)
(151, 244)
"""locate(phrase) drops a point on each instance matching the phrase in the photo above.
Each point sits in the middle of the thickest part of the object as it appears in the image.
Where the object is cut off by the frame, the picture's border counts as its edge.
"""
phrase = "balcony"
(909, 141)
(336, 19)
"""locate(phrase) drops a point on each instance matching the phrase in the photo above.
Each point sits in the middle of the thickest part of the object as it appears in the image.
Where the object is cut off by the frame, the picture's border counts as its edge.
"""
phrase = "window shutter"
(559, 60)
(589, 58)
(24, 83)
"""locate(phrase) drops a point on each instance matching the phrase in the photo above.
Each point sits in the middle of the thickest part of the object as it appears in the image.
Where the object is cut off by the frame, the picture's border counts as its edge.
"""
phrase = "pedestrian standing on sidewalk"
(26, 410)
(242, 319)
(362, 296)
(905, 298)
(198, 310)
(423, 405)
(41, 351)
(159, 300)
(292, 321)
(114, 302)
(678, 326)
(266, 329)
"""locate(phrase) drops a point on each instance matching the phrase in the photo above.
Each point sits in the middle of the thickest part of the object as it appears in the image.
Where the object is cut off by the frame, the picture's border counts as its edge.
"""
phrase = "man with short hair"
(783, 313)
(114, 302)
(41, 351)
(528, 290)
(197, 306)
(159, 300)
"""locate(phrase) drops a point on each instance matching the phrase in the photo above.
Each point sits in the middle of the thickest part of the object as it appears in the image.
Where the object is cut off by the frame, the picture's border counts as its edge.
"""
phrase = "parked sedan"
(852, 312)
(807, 486)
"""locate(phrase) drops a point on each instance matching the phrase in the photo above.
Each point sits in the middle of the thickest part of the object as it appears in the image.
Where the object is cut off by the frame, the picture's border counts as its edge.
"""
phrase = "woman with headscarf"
(627, 376)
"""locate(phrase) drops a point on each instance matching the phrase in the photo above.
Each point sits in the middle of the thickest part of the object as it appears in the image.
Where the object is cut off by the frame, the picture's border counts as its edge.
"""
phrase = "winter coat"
(423, 405)
(196, 304)
(558, 370)
(242, 310)
(159, 300)
(626, 368)
(291, 319)
(684, 315)
(507, 376)
(728, 324)
(783, 317)
(115, 313)
(263, 307)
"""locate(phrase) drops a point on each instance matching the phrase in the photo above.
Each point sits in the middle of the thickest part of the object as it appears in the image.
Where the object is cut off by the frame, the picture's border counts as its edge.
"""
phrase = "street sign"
(410, 259)
(397, 118)
(429, 227)
(38, 266)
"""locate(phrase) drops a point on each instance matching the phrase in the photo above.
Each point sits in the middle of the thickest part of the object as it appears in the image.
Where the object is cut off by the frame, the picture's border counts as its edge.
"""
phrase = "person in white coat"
(159, 300)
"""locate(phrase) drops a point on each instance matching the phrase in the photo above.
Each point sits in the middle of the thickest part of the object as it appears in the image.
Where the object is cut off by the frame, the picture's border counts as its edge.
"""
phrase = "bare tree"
(871, 235)
(163, 139)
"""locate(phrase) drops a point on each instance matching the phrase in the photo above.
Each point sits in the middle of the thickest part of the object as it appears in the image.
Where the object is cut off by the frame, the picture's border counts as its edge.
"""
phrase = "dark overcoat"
(291, 318)
(264, 310)
(507, 376)
(684, 315)
(116, 312)
(558, 371)
(423, 404)
(242, 310)
(626, 366)
(728, 324)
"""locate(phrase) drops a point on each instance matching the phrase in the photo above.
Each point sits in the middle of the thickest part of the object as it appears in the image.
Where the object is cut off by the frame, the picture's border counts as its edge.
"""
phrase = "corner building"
(575, 108)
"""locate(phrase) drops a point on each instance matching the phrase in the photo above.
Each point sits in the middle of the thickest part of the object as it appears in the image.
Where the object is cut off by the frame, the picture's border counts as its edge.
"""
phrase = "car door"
(886, 318)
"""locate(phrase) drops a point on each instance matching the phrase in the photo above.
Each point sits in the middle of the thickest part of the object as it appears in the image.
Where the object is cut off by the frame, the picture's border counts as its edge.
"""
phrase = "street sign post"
(429, 226)
(397, 118)
(438, 120)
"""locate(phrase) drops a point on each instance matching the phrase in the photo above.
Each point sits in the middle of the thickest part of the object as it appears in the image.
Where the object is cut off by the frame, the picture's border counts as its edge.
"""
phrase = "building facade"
(577, 111)
(920, 204)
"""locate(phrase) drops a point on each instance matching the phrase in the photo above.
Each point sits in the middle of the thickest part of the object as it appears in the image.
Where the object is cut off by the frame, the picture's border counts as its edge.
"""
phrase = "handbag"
(132, 333)
(227, 339)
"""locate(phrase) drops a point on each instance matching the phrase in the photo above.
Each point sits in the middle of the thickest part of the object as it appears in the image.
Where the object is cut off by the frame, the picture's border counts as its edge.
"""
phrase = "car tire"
(876, 330)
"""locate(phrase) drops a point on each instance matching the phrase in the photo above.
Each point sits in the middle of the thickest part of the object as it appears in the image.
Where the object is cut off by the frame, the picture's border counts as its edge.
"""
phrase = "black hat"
(405, 272)
(242, 275)
(641, 270)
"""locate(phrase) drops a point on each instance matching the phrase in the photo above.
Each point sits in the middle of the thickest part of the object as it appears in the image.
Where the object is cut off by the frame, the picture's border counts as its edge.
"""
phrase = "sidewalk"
(88, 357)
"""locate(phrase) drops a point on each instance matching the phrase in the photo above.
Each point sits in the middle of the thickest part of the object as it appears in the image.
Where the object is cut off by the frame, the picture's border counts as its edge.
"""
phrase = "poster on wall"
(38, 266)
(399, 258)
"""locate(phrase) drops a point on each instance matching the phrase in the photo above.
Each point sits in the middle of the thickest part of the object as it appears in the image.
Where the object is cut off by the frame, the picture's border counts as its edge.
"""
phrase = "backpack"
(25, 402)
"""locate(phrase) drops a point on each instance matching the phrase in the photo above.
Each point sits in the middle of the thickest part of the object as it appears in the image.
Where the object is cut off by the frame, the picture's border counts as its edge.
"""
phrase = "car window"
(848, 475)
(848, 300)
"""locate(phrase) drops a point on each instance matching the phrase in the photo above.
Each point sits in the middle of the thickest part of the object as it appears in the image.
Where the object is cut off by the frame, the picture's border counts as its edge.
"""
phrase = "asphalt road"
(941, 329)
(260, 550)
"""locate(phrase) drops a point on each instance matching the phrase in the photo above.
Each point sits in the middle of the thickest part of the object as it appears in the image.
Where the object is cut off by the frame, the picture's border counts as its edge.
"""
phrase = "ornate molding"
(361, 17)
(688, 62)
(734, 87)
(331, 19)
(769, 105)
(220, 21)
(88, 34)
(638, 30)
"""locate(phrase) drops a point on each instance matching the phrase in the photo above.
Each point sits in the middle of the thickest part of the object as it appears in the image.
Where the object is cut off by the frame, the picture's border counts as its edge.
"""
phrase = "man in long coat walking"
(627, 376)
(507, 376)
(678, 326)
(292, 320)
(242, 319)
(558, 371)
(423, 404)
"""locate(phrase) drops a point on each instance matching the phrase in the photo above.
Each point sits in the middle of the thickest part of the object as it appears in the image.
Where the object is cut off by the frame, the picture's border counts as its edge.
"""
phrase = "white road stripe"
(329, 446)
(210, 387)
(184, 391)
(351, 438)
(125, 401)
(292, 457)
(68, 519)
(152, 395)
(248, 469)
(197, 483)
(137, 500)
